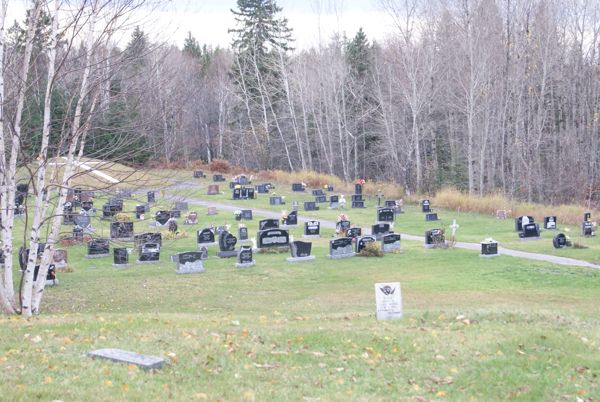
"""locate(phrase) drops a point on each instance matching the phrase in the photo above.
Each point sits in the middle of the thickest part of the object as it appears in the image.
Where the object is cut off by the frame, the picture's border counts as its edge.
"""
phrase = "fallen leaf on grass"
(582, 369)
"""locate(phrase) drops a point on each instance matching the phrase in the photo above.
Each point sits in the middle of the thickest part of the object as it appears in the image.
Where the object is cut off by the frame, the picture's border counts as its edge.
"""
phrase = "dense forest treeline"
(482, 95)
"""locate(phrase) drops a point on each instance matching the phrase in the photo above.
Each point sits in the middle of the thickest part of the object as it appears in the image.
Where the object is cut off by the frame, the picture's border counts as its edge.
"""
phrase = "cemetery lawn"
(473, 329)
(474, 227)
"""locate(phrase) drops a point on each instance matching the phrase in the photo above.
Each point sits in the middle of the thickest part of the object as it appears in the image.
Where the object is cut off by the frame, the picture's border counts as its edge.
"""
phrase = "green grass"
(474, 329)
(474, 227)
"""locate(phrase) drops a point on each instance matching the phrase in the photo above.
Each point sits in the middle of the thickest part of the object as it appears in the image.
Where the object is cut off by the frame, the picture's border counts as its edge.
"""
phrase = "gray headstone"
(124, 356)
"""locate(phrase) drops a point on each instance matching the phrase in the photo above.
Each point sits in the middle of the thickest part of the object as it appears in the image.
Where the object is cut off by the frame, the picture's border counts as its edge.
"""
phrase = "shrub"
(220, 166)
(371, 250)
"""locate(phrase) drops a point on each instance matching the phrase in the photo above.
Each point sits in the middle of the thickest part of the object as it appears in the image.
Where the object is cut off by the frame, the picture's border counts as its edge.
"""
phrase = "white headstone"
(389, 301)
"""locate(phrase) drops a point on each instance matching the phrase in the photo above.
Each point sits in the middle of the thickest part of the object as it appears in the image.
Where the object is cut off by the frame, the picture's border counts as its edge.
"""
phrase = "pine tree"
(192, 47)
(259, 27)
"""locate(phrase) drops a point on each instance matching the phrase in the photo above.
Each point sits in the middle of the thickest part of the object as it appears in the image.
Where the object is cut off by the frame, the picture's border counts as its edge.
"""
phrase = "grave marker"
(98, 248)
(561, 241)
(435, 238)
(361, 242)
(312, 229)
(432, 216)
(213, 189)
(60, 258)
(298, 187)
(227, 243)
(189, 263)
(390, 242)
(120, 257)
(243, 233)
(354, 232)
(340, 248)
(149, 253)
(245, 258)
(265, 224)
(425, 206)
(334, 202)
(151, 197)
(290, 219)
(531, 231)
(162, 217)
(310, 206)
(388, 299)
(489, 248)
(380, 229)
(121, 230)
(191, 218)
(550, 222)
(386, 214)
(273, 238)
(148, 237)
(521, 221)
(205, 237)
(276, 200)
(300, 252)
(587, 229)
(123, 356)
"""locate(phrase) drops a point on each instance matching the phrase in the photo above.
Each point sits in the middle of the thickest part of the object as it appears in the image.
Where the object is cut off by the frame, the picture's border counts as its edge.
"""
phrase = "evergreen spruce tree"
(261, 40)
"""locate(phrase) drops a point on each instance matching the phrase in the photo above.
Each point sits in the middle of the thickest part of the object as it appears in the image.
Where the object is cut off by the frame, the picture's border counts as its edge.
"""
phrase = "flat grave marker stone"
(123, 356)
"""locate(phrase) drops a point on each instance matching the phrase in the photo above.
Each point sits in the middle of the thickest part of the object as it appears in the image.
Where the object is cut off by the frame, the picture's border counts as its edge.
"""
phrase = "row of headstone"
(342, 246)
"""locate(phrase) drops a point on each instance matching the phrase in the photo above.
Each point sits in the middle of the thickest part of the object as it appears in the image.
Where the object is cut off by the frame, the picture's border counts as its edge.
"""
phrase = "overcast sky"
(311, 20)
(208, 20)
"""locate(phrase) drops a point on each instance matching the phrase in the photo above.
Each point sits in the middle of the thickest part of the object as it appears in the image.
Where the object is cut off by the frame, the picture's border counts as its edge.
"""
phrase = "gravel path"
(186, 185)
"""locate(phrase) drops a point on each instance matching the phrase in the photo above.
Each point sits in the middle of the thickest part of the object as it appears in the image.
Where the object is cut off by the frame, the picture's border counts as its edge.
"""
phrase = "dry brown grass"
(488, 205)
(318, 180)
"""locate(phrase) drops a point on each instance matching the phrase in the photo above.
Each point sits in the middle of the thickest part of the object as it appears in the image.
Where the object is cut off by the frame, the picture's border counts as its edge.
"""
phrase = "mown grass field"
(474, 329)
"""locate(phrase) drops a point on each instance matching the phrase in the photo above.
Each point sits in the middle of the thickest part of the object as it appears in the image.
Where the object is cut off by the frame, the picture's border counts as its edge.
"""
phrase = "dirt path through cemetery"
(184, 185)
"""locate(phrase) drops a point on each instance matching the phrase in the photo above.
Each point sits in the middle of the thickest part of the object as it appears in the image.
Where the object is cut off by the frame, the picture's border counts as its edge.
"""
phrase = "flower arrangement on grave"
(237, 214)
(342, 217)
(122, 217)
(284, 216)
(361, 181)
(180, 234)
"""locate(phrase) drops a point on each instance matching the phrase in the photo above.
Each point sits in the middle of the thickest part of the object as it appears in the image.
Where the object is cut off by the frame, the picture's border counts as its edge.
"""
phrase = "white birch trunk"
(38, 212)
(10, 170)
